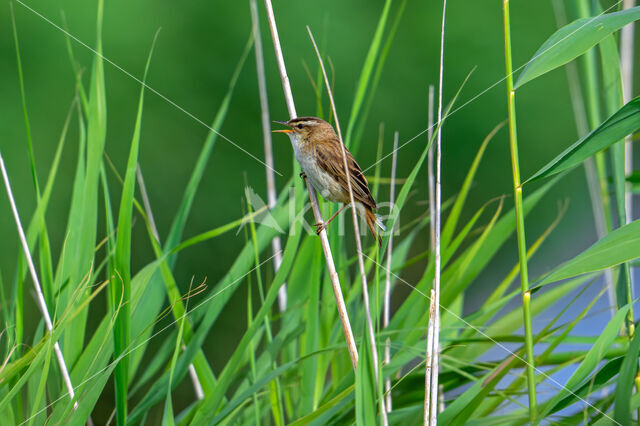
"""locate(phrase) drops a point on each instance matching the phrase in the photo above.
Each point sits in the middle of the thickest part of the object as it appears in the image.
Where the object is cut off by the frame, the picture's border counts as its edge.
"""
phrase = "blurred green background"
(198, 47)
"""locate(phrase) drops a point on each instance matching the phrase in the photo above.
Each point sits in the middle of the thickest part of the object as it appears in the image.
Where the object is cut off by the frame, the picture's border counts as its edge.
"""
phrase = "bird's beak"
(283, 130)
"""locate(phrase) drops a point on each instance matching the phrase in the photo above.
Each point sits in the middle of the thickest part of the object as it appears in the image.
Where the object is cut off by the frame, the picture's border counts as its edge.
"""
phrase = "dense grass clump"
(123, 341)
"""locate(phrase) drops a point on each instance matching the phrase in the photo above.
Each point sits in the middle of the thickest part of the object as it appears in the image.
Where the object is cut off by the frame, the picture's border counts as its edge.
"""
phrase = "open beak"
(283, 130)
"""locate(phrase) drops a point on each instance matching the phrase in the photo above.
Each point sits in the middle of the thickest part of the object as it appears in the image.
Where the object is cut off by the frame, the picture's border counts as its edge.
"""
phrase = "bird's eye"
(299, 126)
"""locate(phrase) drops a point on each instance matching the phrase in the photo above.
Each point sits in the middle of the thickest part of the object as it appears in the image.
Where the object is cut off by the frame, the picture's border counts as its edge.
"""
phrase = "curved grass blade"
(590, 362)
(366, 386)
(406, 187)
(624, 386)
(207, 313)
(365, 74)
(573, 40)
(624, 122)
(211, 403)
(612, 87)
(82, 233)
(120, 288)
(361, 125)
(618, 246)
(205, 374)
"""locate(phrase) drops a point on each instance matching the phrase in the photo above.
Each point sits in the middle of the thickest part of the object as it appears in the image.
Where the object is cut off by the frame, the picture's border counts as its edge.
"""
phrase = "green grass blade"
(406, 187)
(212, 402)
(618, 246)
(366, 386)
(573, 40)
(452, 219)
(120, 294)
(622, 123)
(207, 313)
(624, 386)
(27, 126)
(37, 405)
(79, 257)
(167, 417)
(594, 356)
(361, 123)
(180, 219)
(365, 74)
(612, 85)
(154, 306)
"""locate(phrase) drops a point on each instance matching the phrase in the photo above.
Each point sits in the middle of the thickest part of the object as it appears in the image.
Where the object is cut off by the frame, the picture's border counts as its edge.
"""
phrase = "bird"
(319, 152)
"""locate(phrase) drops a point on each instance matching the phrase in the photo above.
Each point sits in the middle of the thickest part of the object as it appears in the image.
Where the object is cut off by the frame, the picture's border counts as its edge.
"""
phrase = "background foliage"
(194, 59)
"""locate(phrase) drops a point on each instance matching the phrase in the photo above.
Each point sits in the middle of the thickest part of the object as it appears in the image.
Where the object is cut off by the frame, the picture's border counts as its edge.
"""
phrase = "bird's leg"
(323, 225)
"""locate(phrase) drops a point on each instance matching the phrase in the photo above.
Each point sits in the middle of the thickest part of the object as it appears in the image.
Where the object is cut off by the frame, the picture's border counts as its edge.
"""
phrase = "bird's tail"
(372, 221)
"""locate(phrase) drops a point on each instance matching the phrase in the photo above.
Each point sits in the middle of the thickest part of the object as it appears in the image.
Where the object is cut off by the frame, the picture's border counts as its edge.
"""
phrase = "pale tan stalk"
(276, 245)
(429, 356)
(432, 182)
(356, 231)
(432, 233)
(36, 283)
(313, 198)
(626, 69)
(433, 404)
(387, 283)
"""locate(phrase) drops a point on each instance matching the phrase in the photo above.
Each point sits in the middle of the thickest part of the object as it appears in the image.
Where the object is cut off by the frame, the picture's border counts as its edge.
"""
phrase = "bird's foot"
(320, 226)
(303, 175)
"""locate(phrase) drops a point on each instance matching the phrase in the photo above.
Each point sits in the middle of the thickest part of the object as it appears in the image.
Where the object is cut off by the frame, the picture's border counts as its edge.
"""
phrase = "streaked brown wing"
(329, 157)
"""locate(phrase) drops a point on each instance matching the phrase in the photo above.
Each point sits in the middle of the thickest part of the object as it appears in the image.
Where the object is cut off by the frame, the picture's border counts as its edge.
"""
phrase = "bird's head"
(306, 129)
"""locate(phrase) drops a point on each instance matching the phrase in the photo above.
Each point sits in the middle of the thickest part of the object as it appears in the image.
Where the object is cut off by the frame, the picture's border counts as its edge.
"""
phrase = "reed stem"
(626, 69)
(36, 283)
(522, 245)
(356, 230)
(433, 403)
(387, 285)
(276, 244)
(313, 197)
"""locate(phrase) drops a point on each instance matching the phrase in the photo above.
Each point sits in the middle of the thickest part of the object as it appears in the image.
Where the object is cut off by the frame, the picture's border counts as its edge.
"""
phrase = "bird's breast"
(322, 181)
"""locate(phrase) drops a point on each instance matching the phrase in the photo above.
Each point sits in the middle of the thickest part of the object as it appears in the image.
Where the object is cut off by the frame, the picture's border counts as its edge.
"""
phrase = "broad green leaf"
(624, 387)
(612, 85)
(82, 232)
(120, 290)
(618, 246)
(590, 362)
(573, 40)
(625, 121)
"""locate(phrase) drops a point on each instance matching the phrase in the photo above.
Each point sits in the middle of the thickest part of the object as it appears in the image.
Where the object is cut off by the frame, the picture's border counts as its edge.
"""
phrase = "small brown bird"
(317, 149)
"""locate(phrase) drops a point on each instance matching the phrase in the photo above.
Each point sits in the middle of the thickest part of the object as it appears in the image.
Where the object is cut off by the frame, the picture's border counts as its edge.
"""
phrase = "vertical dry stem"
(313, 198)
(36, 283)
(356, 230)
(432, 233)
(429, 356)
(433, 411)
(387, 284)
(430, 172)
(626, 69)
(276, 245)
